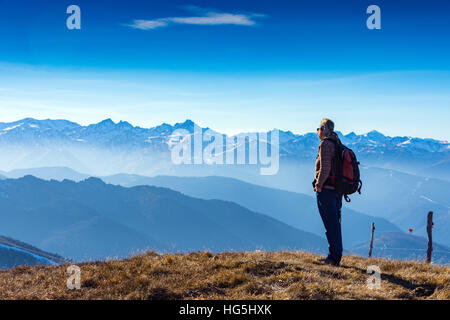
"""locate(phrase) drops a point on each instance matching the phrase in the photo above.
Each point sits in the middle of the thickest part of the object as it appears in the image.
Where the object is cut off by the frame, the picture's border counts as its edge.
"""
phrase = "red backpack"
(347, 179)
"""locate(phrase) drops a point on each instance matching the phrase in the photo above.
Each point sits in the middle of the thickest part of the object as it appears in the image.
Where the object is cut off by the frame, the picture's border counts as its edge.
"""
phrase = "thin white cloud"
(207, 18)
(216, 19)
(148, 24)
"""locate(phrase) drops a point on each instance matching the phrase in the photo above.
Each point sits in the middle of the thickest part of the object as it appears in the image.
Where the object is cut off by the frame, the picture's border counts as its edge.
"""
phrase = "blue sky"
(230, 65)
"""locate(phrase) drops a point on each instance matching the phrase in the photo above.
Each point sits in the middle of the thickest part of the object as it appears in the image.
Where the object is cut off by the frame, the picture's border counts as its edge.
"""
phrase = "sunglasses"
(321, 128)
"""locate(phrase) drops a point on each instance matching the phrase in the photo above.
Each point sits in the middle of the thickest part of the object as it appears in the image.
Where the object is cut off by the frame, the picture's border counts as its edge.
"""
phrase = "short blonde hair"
(327, 123)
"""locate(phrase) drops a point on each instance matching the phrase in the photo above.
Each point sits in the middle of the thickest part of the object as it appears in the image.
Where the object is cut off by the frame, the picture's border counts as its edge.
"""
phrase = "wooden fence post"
(430, 237)
(371, 239)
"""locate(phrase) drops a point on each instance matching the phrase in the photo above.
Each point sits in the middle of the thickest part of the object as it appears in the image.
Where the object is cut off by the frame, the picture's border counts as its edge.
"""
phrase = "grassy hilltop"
(230, 275)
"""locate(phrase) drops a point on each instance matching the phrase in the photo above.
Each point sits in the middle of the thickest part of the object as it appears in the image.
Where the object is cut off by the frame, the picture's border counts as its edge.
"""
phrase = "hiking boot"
(329, 261)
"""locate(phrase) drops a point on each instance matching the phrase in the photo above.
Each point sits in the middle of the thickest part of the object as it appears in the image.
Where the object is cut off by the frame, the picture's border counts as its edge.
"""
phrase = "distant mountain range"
(94, 220)
(46, 173)
(110, 134)
(123, 147)
(14, 253)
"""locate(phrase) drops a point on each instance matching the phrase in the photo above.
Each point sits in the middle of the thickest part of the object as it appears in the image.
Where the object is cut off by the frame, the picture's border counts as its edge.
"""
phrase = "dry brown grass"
(241, 275)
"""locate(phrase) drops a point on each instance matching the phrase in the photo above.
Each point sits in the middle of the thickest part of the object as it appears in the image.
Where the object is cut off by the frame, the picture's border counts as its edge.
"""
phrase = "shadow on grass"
(418, 290)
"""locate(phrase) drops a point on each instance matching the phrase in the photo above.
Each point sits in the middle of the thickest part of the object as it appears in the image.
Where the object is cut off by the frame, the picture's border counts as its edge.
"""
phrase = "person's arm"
(325, 155)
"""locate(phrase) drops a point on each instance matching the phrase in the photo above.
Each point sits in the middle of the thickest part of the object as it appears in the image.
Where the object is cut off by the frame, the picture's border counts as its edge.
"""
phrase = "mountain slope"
(402, 199)
(230, 275)
(405, 200)
(292, 208)
(93, 220)
(14, 253)
(401, 246)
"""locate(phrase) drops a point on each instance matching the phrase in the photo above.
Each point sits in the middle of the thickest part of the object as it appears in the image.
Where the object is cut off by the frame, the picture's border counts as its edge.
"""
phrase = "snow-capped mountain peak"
(108, 133)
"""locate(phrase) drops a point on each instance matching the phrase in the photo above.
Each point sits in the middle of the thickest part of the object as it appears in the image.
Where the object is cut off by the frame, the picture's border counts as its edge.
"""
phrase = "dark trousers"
(330, 204)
